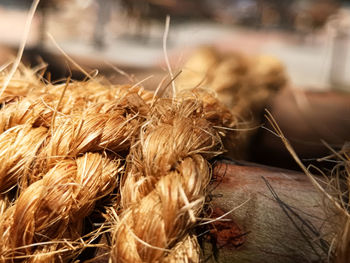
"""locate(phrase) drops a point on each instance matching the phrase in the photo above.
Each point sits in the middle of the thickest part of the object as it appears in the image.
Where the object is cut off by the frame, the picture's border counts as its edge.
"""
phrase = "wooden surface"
(283, 219)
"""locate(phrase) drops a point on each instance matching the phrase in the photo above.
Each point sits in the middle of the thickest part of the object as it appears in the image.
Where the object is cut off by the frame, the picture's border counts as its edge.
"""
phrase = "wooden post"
(283, 219)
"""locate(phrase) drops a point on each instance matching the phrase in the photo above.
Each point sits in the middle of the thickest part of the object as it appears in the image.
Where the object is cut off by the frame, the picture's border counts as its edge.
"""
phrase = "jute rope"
(65, 147)
(165, 185)
(53, 208)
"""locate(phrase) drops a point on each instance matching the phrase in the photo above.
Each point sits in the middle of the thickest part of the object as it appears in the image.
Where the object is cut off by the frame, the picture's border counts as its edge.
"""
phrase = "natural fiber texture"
(23, 82)
(18, 147)
(243, 83)
(54, 207)
(109, 127)
(83, 121)
(4, 204)
(340, 182)
(336, 189)
(165, 185)
(38, 107)
(64, 147)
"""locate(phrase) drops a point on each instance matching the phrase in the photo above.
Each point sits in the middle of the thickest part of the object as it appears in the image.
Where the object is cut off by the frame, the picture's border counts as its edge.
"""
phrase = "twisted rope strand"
(165, 187)
(54, 207)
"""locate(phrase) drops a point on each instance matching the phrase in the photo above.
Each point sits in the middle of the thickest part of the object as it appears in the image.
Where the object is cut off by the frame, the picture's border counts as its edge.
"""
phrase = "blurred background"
(311, 38)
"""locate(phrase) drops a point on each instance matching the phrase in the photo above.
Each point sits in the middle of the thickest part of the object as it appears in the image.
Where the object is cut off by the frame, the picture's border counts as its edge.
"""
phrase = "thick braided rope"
(23, 82)
(89, 118)
(26, 149)
(165, 186)
(163, 190)
(18, 150)
(38, 108)
(53, 208)
(111, 126)
(28, 83)
(31, 148)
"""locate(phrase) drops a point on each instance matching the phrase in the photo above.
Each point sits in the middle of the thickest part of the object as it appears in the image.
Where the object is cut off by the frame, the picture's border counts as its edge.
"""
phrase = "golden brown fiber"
(68, 144)
(53, 208)
(165, 185)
